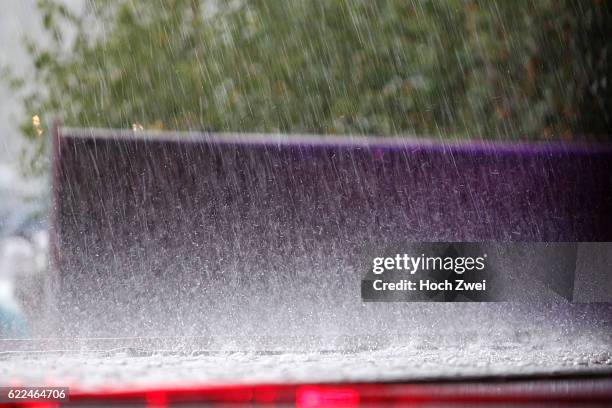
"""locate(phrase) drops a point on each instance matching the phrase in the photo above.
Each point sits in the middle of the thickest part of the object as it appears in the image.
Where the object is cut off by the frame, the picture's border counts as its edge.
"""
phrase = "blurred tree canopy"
(525, 69)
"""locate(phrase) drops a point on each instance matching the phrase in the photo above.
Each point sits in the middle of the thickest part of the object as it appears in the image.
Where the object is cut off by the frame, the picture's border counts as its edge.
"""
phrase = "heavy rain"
(195, 191)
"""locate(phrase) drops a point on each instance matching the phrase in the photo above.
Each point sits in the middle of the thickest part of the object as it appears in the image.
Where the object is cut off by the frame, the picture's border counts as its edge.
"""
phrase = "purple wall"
(135, 212)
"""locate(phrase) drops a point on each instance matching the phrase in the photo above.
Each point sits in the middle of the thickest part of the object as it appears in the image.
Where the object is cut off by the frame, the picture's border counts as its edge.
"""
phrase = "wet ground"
(141, 365)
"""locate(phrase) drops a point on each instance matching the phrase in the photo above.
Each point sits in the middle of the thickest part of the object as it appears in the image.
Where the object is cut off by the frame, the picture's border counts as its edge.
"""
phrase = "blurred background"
(22, 197)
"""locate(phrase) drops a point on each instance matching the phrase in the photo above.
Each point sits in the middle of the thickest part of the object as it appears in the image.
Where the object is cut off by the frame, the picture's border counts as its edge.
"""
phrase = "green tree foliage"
(460, 68)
